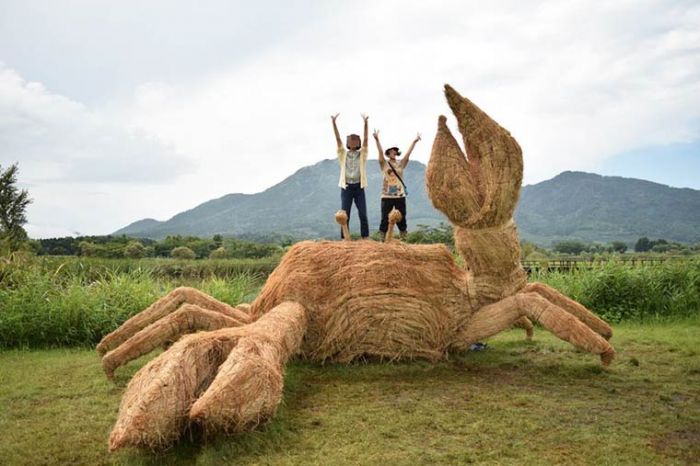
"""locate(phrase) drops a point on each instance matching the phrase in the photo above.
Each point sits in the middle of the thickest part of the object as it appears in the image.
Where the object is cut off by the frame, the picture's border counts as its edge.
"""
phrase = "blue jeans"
(353, 192)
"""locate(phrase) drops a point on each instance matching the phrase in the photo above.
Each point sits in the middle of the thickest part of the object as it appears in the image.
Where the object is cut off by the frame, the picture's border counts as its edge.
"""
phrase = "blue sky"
(676, 165)
(121, 110)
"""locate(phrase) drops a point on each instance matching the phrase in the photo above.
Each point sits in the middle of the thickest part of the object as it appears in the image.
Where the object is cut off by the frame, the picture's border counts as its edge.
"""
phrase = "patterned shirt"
(391, 185)
(352, 166)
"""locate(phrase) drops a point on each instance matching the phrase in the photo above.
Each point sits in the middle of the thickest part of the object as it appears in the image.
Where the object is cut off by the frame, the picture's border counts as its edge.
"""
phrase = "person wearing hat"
(353, 175)
(393, 186)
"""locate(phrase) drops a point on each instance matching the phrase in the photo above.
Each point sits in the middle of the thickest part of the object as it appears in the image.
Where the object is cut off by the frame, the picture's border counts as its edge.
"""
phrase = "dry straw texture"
(342, 300)
(341, 217)
(226, 380)
(394, 218)
(390, 300)
(162, 308)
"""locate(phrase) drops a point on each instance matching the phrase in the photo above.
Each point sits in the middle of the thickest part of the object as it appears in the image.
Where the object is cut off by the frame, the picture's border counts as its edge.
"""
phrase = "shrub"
(574, 247)
(218, 253)
(182, 252)
(618, 246)
(134, 250)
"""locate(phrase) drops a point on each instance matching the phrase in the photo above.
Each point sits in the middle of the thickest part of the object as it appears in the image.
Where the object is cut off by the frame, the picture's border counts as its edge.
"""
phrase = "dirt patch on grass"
(682, 444)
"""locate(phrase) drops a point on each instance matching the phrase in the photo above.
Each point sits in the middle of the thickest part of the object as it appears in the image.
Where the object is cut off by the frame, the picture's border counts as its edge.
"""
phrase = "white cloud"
(58, 140)
(575, 82)
(71, 157)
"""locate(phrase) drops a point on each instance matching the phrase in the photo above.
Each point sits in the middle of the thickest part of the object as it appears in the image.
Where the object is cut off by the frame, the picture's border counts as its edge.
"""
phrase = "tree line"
(177, 246)
(14, 202)
(643, 244)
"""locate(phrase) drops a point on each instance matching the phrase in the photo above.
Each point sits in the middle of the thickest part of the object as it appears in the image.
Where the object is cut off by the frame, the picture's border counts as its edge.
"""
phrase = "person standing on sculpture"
(393, 186)
(353, 174)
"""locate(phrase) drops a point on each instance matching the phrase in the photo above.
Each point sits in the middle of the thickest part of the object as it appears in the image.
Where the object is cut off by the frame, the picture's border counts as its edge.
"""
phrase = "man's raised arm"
(366, 135)
(404, 160)
(380, 151)
(335, 130)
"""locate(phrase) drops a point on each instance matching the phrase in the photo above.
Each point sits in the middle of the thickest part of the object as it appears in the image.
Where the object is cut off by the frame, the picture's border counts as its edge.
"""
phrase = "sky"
(121, 110)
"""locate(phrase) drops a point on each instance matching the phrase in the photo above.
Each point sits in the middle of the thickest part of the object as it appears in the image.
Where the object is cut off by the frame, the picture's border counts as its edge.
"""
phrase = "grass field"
(539, 402)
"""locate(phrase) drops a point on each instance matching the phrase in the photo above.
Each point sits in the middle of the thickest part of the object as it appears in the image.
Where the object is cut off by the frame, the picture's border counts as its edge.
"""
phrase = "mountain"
(571, 205)
(303, 205)
(607, 208)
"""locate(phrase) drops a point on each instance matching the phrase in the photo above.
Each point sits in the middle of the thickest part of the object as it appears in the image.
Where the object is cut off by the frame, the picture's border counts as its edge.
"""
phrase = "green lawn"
(518, 403)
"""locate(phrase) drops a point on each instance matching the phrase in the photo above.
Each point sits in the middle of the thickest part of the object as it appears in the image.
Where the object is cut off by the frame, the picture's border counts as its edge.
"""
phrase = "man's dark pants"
(353, 192)
(389, 203)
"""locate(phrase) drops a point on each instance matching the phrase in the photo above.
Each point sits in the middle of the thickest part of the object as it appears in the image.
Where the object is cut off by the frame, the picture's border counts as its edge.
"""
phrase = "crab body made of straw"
(340, 300)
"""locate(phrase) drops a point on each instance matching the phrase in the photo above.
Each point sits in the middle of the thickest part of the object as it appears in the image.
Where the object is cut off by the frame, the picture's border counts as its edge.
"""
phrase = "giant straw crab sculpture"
(339, 300)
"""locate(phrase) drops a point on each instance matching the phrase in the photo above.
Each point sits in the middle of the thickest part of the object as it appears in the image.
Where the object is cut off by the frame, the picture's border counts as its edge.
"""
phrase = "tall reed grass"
(619, 292)
(74, 302)
(76, 305)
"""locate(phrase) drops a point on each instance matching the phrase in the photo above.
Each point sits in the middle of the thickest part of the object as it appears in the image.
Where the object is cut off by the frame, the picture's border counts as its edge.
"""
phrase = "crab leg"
(498, 316)
(164, 306)
(597, 324)
(525, 324)
(161, 399)
(187, 319)
(248, 386)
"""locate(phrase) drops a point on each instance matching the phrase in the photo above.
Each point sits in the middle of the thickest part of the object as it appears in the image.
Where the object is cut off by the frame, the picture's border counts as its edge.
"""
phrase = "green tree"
(426, 234)
(218, 253)
(35, 246)
(643, 244)
(135, 250)
(661, 247)
(574, 247)
(13, 206)
(242, 249)
(182, 252)
(86, 249)
(618, 246)
(597, 248)
(218, 241)
(528, 248)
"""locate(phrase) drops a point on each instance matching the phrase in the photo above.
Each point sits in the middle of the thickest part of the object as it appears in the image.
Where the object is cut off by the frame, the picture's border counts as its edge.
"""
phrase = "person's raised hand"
(364, 117)
(333, 117)
(375, 133)
(418, 138)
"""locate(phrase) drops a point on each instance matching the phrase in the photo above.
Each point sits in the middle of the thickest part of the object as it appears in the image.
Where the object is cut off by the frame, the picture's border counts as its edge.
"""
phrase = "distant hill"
(571, 205)
(302, 205)
(606, 208)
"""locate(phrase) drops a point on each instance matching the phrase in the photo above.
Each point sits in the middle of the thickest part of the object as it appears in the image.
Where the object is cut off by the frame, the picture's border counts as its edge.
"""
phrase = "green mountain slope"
(571, 205)
(302, 205)
(607, 208)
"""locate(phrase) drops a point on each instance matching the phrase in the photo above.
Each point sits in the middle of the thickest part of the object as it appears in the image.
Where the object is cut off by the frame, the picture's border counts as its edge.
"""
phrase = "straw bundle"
(248, 386)
(164, 306)
(480, 191)
(493, 257)
(394, 218)
(390, 300)
(502, 314)
(341, 217)
(478, 194)
(187, 319)
(160, 400)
